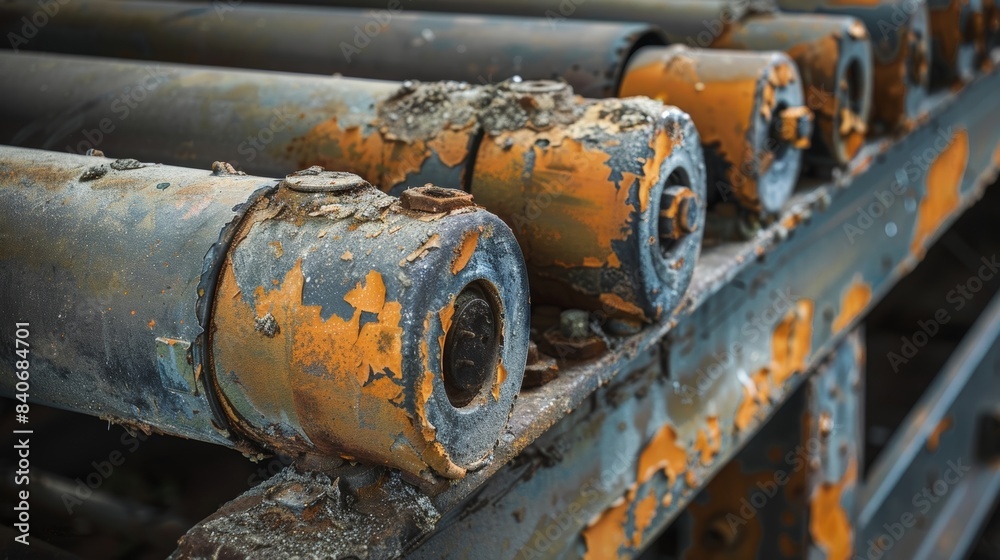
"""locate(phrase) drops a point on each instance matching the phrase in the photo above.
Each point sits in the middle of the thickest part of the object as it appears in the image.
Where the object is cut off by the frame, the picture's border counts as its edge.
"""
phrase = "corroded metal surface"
(929, 489)
(740, 103)
(833, 55)
(224, 307)
(605, 455)
(958, 39)
(584, 184)
(792, 491)
(901, 44)
(384, 45)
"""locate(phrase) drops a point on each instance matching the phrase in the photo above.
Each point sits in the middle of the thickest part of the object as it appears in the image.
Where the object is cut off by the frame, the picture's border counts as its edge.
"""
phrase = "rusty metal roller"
(606, 160)
(312, 316)
(373, 44)
(959, 39)
(606, 197)
(900, 35)
(834, 56)
(750, 113)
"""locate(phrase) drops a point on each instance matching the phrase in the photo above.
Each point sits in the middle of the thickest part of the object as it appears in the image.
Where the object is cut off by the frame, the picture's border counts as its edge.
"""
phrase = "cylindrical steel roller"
(958, 36)
(357, 43)
(395, 136)
(834, 55)
(900, 36)
(606, 197)
(750, 113)
(311, 316)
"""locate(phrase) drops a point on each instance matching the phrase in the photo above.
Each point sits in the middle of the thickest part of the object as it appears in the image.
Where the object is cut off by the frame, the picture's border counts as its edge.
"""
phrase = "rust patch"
(944, 183)
(709, 440)
(853, 302)
(606, 536)
(829, 522)
(754, 398)
(465, 251)
(722, 99)
(717, 517)
(662, 453)
(645, 512)
(934, 440)
(791, 342)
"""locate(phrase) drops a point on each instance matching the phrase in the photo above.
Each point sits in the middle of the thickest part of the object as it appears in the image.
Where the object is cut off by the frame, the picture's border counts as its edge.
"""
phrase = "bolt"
(825, 425)
(430, 198)
(94, 152)
(471, 347)
(794, 125)
(574, 324)
(223, 168)
(678, 213)
(317, 180)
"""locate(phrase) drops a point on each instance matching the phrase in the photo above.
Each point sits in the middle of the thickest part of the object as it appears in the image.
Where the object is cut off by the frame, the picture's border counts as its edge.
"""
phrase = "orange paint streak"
(334, 380)
(753, 399)
(853, 303)
(791, 342)
(614, 301)
(944, 182)
(607, 535)
(465, 251)
(934, 440)
(829, 523)
(645, 511)
(662, 453)
(709, 441)
(720, 96)
(501, 377)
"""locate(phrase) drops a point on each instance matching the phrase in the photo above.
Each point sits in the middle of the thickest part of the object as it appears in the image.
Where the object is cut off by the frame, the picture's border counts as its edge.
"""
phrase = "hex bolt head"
(471, 347)
(317, 180)
(435, 200)
(574, 324)
(794, 125)
(679, 213)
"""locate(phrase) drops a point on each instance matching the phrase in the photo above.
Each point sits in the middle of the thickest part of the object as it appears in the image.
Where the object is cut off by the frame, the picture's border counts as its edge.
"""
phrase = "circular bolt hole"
(471, 346)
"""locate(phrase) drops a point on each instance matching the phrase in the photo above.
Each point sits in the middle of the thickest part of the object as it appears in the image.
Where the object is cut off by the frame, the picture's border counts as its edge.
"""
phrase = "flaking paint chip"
(346, 256)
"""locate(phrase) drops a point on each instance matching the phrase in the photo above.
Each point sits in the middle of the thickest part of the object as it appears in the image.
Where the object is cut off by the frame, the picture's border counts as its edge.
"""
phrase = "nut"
(432, 199)
(317, 180)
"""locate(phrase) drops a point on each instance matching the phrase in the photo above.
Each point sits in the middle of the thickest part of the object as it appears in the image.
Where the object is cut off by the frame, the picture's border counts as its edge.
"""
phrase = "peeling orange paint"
(722, 97)
(753, 399)
(606, 536)
(645, 511)
(829, 523)
(709, 441)
(465, 251)
(853, 302)
(934, 440)
(944, 183)
(336, 381)
(792, 342)
(662, 453)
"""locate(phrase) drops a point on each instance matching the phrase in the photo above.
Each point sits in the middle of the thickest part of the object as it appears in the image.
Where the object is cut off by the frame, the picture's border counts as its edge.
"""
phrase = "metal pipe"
(901, 45)
(749, 111)
(834, 55)
(958, 37)
(362, 44)
(418, 46)
(312, 316)
(580, 182)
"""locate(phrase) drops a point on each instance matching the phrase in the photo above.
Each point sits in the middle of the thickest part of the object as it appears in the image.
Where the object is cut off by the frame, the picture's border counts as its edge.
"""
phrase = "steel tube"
(310, 317)
(958, 37)
(834, 55)
(582, 188)
(420, 46)
(901, 44)
(750, 113)
(356, 43)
